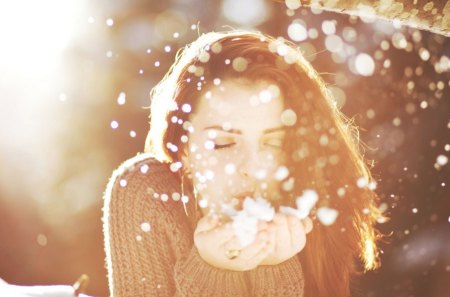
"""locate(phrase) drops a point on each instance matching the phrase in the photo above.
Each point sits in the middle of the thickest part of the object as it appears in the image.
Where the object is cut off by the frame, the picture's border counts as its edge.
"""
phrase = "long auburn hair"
(323, 146)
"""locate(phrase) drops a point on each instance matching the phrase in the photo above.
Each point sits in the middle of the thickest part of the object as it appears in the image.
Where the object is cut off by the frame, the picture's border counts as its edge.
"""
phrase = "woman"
(241, 115)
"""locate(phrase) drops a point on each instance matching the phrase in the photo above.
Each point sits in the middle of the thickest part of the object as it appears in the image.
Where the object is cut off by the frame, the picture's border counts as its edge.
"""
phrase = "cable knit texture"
(149, 242)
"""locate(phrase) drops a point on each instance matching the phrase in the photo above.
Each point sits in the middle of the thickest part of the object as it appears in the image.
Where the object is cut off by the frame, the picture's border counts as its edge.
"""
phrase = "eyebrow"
(237, 131)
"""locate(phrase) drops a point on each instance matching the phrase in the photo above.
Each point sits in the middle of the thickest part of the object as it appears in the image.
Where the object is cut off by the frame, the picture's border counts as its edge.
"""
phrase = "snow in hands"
(245, 221)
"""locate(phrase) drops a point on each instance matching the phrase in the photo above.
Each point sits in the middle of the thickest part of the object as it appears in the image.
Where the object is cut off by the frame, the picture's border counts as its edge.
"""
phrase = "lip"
(243, 195)
(238, 199)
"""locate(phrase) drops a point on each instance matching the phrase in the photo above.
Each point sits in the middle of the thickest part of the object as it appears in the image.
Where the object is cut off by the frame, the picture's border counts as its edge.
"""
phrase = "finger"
(297, 233)
(260, 255)
(222, 233)
(233, 244)
(295, 224)
(206, 223)
(282, 234)
(272, 235)
(272, 242)
(307, 224)
(250, 251)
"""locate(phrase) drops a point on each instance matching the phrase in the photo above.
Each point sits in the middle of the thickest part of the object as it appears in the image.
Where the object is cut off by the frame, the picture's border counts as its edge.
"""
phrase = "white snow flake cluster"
(245, 221)
(304, 205)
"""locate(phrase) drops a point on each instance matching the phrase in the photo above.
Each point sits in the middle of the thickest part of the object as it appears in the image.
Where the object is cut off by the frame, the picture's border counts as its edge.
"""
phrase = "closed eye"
(223, 146)
(275, 143)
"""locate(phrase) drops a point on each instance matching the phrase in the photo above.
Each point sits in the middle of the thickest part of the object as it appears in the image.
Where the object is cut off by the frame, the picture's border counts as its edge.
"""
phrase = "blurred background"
(74, 82)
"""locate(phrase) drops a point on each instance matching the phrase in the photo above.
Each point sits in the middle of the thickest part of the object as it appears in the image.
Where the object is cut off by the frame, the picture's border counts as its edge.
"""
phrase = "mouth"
(238, 200)
(244, 195)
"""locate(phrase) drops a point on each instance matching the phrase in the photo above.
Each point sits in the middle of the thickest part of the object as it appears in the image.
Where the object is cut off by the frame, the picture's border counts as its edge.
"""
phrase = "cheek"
(216, 164)
(209, 176)
(268, 163)
(216, 173)
(271, 159)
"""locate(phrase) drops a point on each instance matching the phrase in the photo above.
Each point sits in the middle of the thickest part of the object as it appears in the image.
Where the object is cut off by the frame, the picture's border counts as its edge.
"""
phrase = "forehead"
(241, 103)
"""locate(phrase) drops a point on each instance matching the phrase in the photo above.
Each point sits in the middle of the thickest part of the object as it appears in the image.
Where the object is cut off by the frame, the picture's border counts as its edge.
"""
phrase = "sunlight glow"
(34, 34)
(369, 255)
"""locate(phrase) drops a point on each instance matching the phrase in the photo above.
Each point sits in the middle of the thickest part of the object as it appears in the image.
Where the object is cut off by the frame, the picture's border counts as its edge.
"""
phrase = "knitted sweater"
(149, 242)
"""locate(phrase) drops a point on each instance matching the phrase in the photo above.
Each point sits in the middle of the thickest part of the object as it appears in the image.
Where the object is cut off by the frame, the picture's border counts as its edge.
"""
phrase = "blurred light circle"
(136, 35)
(290, 12)
(349, 34)
(122, 98)
(41, 239)
(334, 43)
(442, 160)
(109, 22)
(399, 41)
(364, 64)
(250, 12)
(313, 33)
(443, 65)
(240, 64)
(114, 124)
(293, 4)
(297, 31)
(308, 51)
(146, 227)
(339, 57)
(328, 27)
(288, 117)
(424, 54)
(166, 23)
(349, 50)
(282, 49)
(339, 96)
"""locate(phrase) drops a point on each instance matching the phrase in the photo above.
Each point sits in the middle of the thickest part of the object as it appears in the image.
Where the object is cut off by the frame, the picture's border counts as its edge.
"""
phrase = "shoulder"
(141, 171)
(139, 166)
(142, 189)
(141, 229)
(142, 182)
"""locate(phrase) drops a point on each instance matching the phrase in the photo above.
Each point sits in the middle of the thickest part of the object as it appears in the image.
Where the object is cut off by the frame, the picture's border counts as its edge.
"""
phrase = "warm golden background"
(75, 77)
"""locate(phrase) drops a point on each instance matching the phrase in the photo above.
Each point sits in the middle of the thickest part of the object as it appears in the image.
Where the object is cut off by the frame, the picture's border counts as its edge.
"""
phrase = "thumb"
(206, 223)
(307, 224)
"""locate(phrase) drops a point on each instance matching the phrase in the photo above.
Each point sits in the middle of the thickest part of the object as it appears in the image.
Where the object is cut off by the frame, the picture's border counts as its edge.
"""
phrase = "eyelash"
(223, 146)
(273, 146)
(229, 145)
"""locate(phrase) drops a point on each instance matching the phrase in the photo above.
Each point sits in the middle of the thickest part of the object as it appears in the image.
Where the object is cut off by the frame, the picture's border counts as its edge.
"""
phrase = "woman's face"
(234, 149)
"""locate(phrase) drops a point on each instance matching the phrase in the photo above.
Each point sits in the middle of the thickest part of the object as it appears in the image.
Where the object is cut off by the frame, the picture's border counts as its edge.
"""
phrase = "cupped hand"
(287, 234)
(213, 239)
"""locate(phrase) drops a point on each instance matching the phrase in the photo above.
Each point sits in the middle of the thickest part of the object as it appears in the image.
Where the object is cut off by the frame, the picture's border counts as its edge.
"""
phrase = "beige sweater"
(149, 243)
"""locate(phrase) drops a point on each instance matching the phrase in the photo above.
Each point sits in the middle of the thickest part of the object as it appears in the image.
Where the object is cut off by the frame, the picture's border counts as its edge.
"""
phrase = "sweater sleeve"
(202, 279)
(149, 242)
(285, 279)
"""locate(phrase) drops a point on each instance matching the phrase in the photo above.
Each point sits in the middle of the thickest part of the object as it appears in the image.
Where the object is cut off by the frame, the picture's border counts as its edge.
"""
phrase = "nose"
(246, 180)
(244, 172)
(250, 169)
(250, 164)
